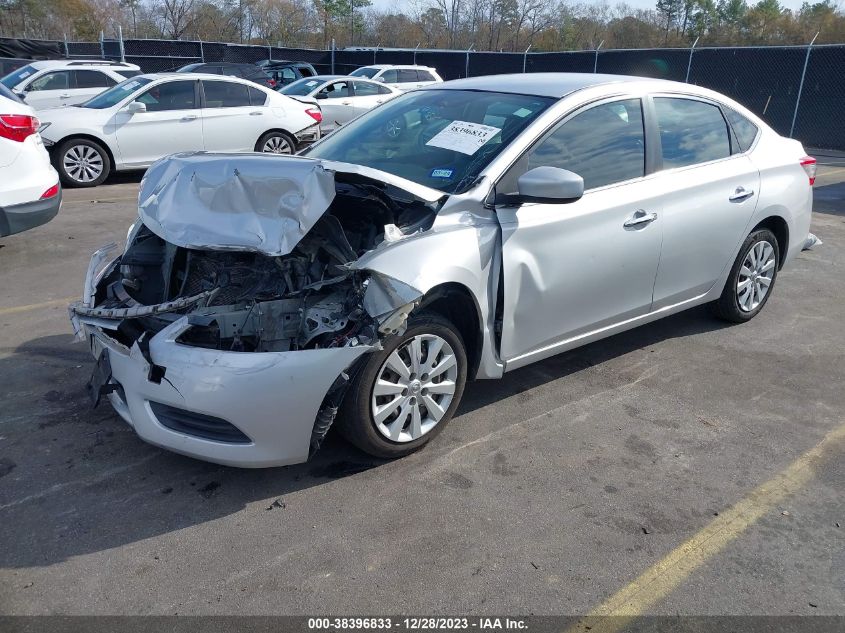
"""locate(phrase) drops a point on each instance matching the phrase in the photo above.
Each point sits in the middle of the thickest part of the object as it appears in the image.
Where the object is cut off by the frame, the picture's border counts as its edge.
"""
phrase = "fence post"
(102, 48)
(269, 52)
(466, 68)
(120, 39)
(202, 52)
(333, 56)
(415, 53)
(525, 58)
(596, 64)
(374, 53)
(801, 85)
(67, 51)
(689, 63)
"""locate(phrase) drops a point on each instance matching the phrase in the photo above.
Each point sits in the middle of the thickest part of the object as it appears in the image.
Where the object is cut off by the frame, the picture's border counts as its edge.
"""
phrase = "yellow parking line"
(658, 581)
(37, 306)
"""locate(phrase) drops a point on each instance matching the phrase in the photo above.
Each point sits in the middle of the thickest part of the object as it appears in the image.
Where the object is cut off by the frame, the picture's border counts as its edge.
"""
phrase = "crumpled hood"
(261, 203)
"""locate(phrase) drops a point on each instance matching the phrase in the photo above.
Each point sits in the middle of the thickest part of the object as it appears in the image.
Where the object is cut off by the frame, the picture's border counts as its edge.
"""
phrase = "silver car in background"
(456, 232)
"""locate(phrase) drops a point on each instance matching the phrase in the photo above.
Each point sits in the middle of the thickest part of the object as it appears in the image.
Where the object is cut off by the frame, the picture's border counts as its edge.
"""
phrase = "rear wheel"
(407, 392)
(751, 280)
(82, 163)
(276, 142)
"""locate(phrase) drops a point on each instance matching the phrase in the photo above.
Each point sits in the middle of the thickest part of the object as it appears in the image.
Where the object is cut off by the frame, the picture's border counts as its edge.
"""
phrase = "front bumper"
(21, 217)
(272, 398)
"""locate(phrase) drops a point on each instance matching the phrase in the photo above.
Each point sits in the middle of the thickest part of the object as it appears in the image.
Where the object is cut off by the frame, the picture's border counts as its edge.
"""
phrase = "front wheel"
(751, 280)
(82, 163)
(408, 391)
(276, 142)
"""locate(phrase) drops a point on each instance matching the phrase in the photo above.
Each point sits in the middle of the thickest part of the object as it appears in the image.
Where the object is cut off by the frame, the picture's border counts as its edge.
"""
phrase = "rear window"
(744, 129)
(257, 97)
(407, 76)
(424, 75)
(16, 76)
(225, 94)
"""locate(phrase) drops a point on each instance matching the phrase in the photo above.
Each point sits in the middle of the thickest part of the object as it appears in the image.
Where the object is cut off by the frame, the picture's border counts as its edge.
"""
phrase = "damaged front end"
(237, 265)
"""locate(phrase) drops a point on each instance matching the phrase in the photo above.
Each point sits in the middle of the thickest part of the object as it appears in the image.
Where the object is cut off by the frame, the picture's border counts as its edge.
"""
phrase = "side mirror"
(550, 184)
(136, 107)
(381, 79)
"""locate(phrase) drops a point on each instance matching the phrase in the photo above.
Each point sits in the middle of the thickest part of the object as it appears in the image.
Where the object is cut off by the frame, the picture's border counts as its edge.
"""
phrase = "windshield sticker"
(464, 137)
(130, 86)
(311, 83)
(441, 173)
(25, 75)
(522, 113)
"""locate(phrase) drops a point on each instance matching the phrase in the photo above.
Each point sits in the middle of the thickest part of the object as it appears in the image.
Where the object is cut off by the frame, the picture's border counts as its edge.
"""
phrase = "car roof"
(399, 66)
(194, 76)
(554, 85)
(82, 63)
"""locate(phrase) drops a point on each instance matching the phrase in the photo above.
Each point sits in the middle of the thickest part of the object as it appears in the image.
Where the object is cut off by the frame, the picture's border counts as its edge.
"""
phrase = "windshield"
(116, 94)
(369, 73)
(438, 138)
(300, 87)
(16, 76)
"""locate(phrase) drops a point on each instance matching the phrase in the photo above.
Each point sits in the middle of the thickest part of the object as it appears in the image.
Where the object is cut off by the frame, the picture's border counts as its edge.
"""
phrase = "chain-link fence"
(798, 90)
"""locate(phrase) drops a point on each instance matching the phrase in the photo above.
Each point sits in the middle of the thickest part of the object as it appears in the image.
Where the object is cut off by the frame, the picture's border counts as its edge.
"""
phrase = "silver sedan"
(341, 98)
(457, 232)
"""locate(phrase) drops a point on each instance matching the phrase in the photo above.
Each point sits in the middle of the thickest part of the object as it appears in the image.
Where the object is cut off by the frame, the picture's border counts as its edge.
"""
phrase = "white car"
(54, 83)
(340, 98)
(400, 77)
(150, 116)
(29, 186)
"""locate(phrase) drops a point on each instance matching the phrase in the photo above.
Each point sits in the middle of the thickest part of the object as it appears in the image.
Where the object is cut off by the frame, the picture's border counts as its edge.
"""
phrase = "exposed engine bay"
(252, 302)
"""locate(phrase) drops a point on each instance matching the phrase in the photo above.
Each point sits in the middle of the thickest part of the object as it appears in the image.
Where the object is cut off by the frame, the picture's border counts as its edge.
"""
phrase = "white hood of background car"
(247, 202)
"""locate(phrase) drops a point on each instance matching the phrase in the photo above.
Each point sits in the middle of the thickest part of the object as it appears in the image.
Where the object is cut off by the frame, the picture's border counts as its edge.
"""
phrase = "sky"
(638, 4)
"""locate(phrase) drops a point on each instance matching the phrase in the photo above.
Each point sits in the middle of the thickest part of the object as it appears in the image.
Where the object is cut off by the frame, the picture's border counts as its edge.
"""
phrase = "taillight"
(809, 165)
(52, 191)
(315, 114)
(272, 83)
(17, 127)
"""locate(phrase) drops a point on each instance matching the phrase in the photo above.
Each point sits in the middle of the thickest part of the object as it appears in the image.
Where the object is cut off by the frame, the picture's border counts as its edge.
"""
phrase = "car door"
(367, 95)
(230, 121)
(574, 268)
(709, 196)
(409, 79)
(172, 123)
(336, 103)
(50, 90)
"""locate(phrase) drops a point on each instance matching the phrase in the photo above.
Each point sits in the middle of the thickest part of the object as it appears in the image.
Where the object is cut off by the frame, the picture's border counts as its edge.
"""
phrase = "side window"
(390, 76)
(225, 94)
(691, 132)
(424, 75)
(305, 71)
(408, 76)
(93, 79)
(128, 73)
(744, 129)
(336, 90)
(175, 95)
(59, 80)
(366, 89)
(257, 97)
(604, 144)
(384, 90)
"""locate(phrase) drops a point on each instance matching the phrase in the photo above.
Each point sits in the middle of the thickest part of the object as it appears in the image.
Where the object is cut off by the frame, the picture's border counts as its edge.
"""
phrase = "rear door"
(172, 123)
(709, 193)
(367, 96)
(50, 90)
(230, 121)
(336, 103)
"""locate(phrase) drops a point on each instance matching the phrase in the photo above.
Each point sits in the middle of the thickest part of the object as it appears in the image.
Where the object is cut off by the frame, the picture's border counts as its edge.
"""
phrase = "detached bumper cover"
(21, 217)
(272, 398)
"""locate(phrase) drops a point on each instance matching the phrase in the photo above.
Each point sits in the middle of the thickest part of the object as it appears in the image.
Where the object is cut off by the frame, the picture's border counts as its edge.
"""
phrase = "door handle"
(64, 96)
(189, 117)
(379, 101)
(741, 193)
(256, 113)
(640, 218)
(345, 102)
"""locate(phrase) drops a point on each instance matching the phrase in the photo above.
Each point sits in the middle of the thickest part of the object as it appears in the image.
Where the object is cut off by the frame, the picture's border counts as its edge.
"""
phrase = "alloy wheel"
(755, 276)
(277, 145)
(414, 388)
(83, 163)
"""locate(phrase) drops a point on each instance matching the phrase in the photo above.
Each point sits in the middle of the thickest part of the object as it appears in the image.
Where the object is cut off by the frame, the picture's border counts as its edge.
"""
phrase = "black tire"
(76, 148)
(728, 306)
(280, 137)
(355, 418)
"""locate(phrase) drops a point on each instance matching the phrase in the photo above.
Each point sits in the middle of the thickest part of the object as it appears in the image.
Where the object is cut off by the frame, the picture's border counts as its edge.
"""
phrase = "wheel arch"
(276, 129)
(455, 302)
(88, 137)
(777, 225)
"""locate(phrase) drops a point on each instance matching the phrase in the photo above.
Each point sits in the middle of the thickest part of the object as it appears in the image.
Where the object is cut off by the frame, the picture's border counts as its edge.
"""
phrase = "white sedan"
(151, 116)
(341, 98)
